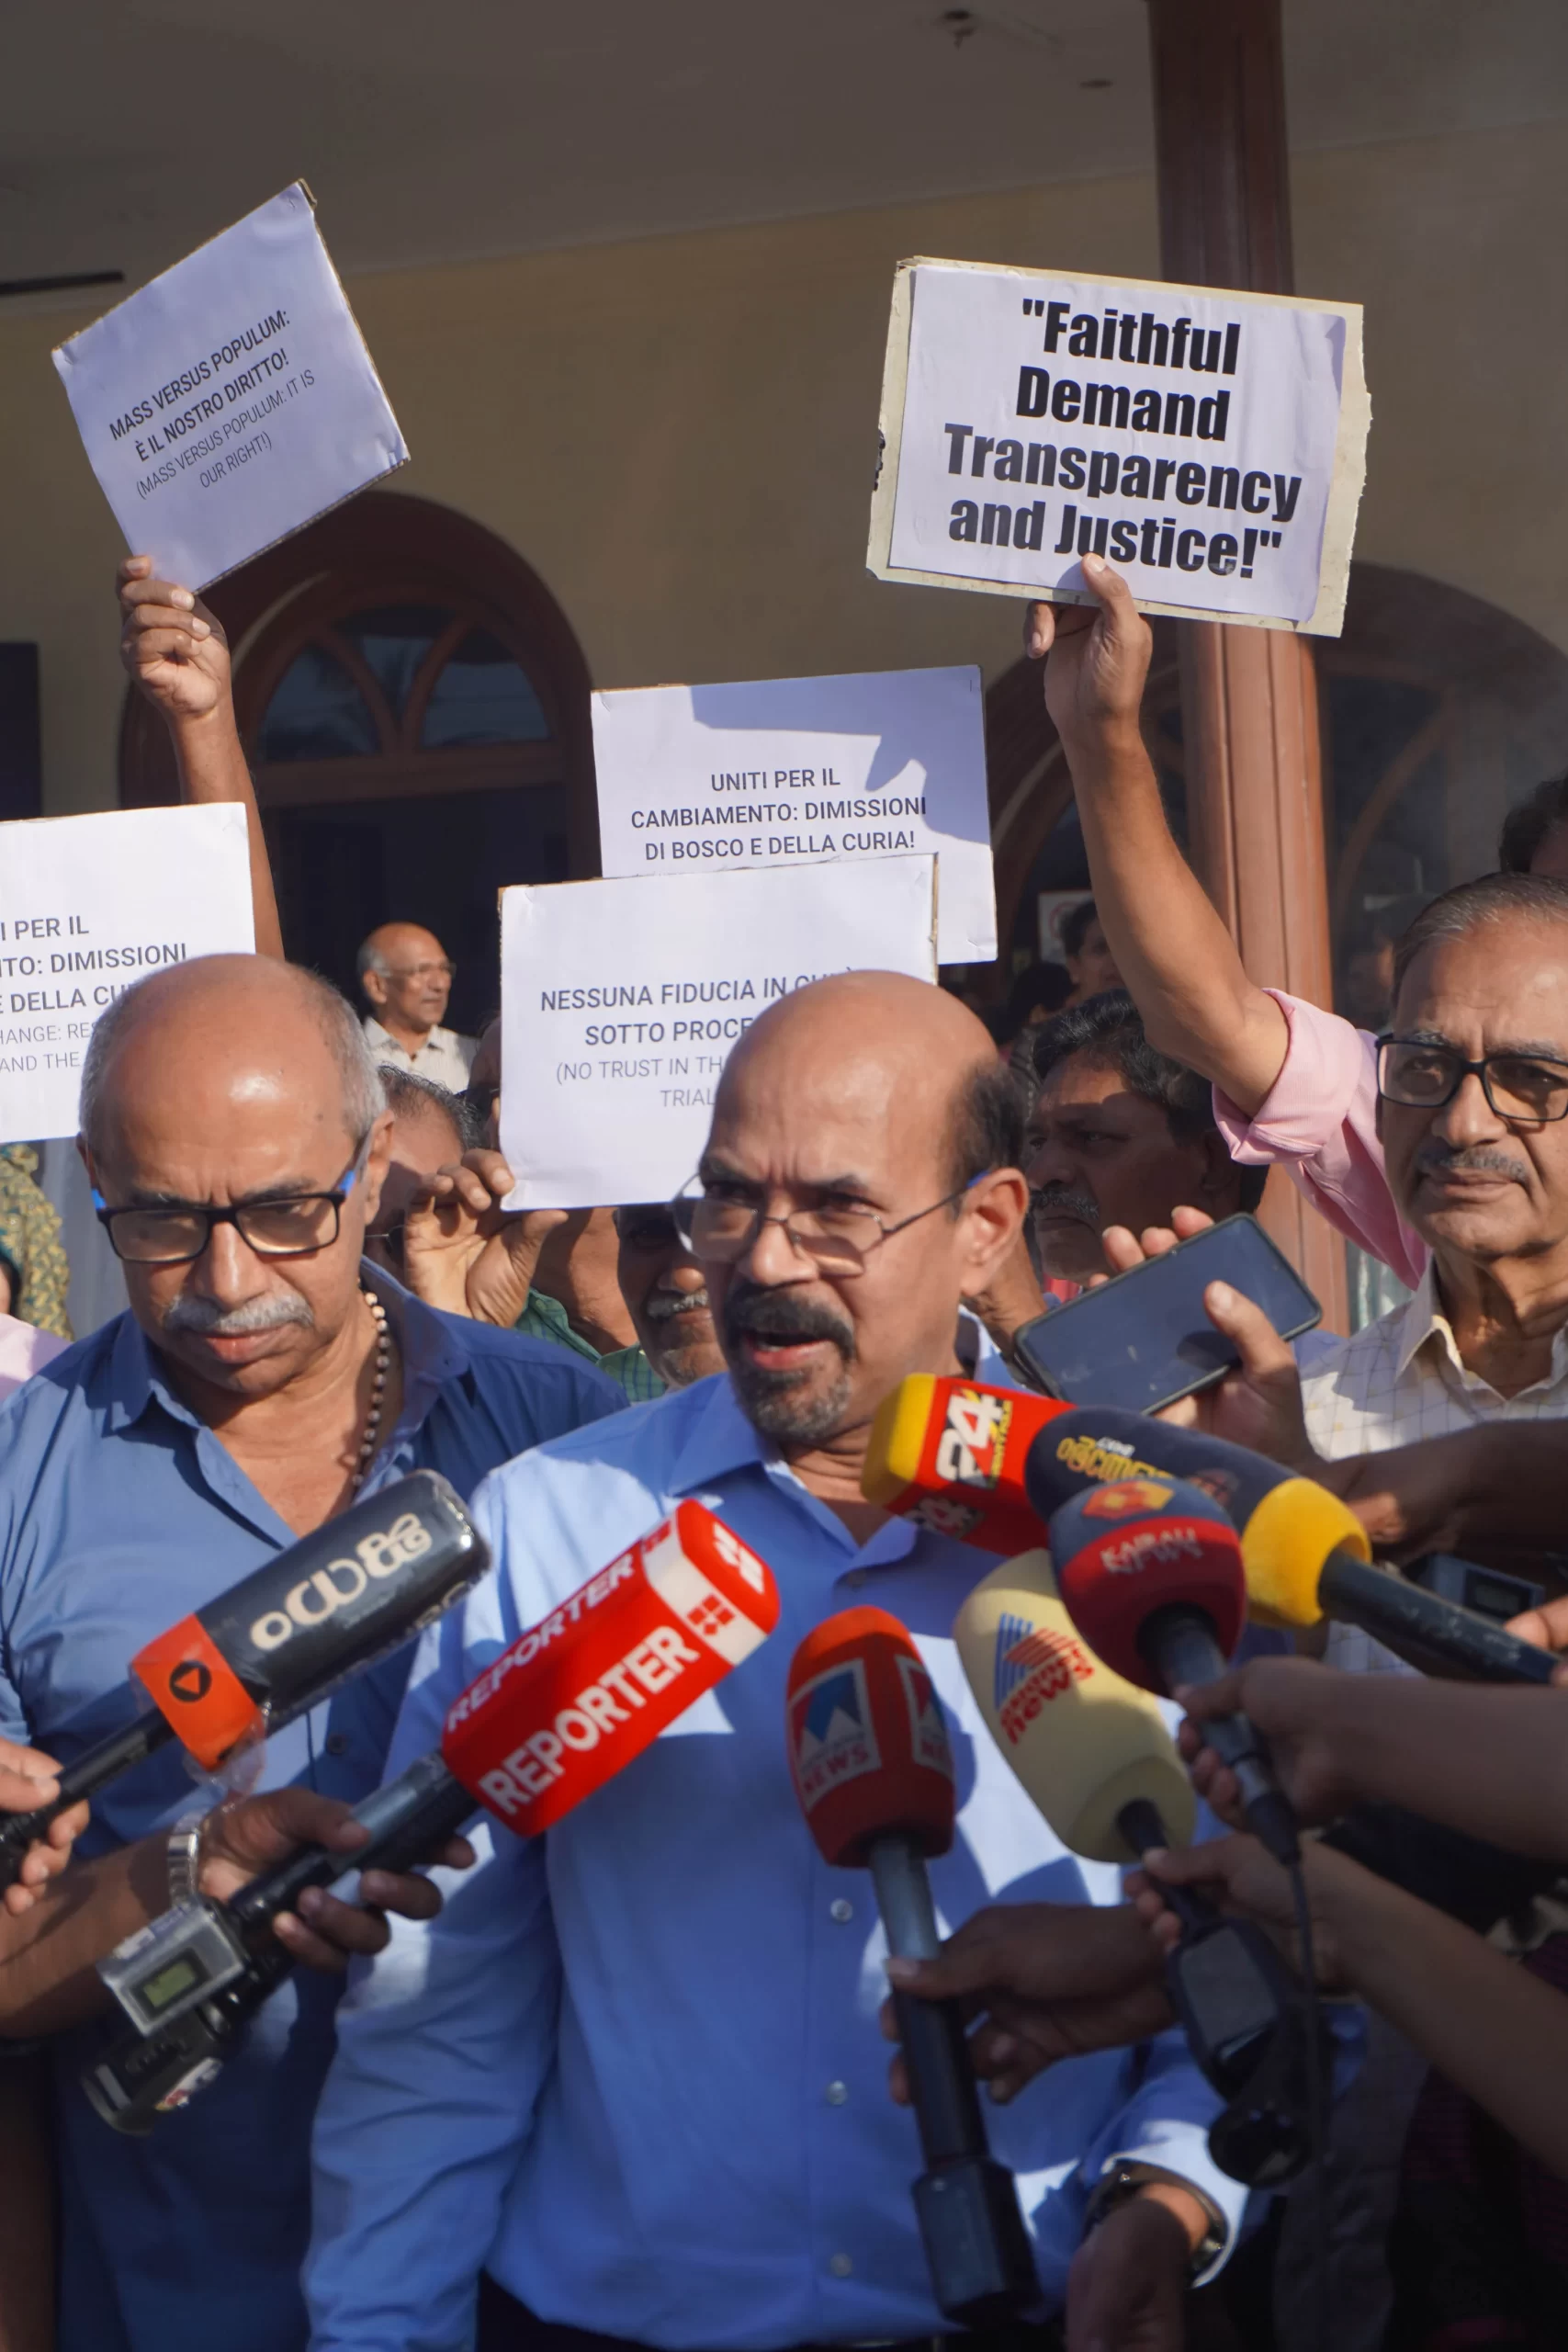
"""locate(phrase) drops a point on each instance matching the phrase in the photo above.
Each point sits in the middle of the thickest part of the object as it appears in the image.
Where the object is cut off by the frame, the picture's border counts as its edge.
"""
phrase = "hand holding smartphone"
(1143, 1339)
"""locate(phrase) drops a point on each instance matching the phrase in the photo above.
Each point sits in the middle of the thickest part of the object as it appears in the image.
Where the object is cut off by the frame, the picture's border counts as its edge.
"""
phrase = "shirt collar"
(430, 1345)
(1424, 1320)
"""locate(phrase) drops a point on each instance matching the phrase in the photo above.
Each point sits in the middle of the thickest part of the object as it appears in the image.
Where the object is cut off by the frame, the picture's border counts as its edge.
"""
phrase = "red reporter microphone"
(1150, 1571)
(873, 1768)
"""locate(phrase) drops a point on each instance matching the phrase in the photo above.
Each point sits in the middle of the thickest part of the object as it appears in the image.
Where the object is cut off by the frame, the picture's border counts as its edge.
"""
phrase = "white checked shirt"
(1397, 1382)
(444, 1057)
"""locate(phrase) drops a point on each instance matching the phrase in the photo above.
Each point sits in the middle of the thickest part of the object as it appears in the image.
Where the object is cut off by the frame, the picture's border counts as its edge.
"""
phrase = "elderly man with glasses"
(237, 1140)
(635, 2080)
(406, 976)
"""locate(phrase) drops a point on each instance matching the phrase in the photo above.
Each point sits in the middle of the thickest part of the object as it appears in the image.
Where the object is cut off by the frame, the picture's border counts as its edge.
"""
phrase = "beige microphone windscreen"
(1083, 1742)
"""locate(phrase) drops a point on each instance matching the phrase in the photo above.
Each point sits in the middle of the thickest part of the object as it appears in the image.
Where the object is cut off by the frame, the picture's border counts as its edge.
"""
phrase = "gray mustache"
(188, 1311)
(1434, 1158)
(1062, 1196)
(662, 1305)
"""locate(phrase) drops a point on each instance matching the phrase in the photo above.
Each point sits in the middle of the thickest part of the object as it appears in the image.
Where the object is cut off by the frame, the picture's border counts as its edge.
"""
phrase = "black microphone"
(279, 1642)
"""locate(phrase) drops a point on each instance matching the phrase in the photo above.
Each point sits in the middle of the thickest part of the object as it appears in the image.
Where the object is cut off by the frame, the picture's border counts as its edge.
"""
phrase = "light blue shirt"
(634, 2070)
(120, 1513)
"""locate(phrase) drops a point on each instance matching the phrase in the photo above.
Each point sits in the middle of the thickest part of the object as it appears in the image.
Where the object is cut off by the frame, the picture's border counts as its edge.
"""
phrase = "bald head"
(881, 1044)
(248, 1024)
(406, 978)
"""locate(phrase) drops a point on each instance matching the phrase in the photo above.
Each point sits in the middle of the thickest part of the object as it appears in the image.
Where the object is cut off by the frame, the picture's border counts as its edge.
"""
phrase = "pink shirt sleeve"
(1320, 1119)
(23, 1352)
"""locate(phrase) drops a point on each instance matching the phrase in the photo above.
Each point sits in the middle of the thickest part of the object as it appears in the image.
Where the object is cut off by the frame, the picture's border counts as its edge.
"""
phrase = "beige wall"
(679, 434)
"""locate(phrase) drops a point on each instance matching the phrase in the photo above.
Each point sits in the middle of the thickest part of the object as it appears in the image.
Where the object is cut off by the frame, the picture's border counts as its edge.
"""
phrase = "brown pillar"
(1248, 696)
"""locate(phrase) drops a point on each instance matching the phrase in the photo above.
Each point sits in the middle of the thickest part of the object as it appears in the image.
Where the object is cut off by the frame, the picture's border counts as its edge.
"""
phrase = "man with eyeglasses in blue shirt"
(633, 2075)
(236, 1138)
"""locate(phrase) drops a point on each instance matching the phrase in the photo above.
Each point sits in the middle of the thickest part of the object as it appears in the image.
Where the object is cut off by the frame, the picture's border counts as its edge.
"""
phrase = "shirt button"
(841, 1910)
(836, 2094)
(338, 1743)
(839, 2265)
(857, 1578)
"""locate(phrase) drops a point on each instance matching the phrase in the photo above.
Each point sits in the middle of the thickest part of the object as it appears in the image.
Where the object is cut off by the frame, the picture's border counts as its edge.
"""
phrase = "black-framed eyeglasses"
(1422, 1074)
(292, 1225)
(722, 1222)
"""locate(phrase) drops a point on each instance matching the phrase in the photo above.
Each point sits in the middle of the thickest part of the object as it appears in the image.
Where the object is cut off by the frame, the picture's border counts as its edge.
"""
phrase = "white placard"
(232, 400)
(621, 999)
(1210, 445)
(89, 905)
(794, 771)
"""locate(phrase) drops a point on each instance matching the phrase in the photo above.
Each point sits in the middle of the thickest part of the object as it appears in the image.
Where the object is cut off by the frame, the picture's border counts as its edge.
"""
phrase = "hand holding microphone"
(1092, 1752)
(573, 1702)
(873, 1773)
(1150, 1571)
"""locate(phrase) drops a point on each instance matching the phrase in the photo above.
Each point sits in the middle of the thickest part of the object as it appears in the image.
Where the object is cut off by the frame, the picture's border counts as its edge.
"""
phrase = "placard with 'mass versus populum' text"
(232, 400)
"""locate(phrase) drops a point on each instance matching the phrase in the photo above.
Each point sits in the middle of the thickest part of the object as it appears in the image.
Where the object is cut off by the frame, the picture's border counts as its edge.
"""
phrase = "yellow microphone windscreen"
(1284, 1545)
(1083, 1742)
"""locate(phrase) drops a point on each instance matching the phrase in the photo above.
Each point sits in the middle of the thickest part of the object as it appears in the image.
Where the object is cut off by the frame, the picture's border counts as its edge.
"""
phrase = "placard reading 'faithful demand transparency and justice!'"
(89, 905)
(1210, 445)
(621, 999)
(232, 400)
(795, 771)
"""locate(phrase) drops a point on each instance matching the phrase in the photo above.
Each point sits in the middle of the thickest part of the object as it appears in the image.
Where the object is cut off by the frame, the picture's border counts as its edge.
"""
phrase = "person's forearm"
(1492, 1763)
(1498, 2033)
(1497, 1486)
(212, 766)
(48, 1977)
(1179, 963)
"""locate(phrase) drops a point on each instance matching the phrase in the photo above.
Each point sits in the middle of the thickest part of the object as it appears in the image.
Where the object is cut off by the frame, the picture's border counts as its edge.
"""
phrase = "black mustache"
(779, 1315)
(1434, 1158)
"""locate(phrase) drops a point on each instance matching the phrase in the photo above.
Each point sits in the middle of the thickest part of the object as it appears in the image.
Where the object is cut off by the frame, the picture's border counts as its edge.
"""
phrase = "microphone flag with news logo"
(1084, 1741)
(1125, 1551)
(950, 1454)
(868, 1746)
(579, 1695)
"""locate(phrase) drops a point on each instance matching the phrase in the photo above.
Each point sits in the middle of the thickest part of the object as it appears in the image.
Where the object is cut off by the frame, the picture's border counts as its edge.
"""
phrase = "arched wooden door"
(414, 706)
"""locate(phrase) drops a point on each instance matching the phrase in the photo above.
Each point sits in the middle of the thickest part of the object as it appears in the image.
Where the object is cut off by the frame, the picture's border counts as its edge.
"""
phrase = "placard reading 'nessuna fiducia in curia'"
(1210, 444)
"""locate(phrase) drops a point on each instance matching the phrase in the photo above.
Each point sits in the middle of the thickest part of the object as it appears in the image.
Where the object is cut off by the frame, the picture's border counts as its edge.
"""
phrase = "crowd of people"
(622, 2084)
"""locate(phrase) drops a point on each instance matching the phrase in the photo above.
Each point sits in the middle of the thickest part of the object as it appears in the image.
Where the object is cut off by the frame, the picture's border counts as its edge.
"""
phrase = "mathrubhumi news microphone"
(874, 1777)
(1150, 1572)
(279, 1642)
(989, 1466)
(1092, 1753)
(569, 1703)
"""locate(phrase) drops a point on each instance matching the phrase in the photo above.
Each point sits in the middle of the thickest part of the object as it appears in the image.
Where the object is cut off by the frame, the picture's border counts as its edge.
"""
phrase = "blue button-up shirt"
(120, 1513)
(634, 2070)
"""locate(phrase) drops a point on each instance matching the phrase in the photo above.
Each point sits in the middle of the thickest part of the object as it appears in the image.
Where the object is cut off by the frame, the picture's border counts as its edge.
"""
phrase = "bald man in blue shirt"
(236, 1140)
(633, 2075)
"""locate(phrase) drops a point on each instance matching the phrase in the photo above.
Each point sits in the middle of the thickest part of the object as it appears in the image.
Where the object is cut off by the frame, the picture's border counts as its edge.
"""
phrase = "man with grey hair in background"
(406, 977)
(236, 1137)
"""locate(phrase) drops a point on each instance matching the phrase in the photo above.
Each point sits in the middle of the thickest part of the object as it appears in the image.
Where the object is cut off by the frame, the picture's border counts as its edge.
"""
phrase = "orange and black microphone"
(873, 1773)
(273, 1645)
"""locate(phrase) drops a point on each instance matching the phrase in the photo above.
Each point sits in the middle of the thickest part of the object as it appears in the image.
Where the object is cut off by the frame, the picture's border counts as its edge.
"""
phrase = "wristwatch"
(1125, 2180)
(185, 1857)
